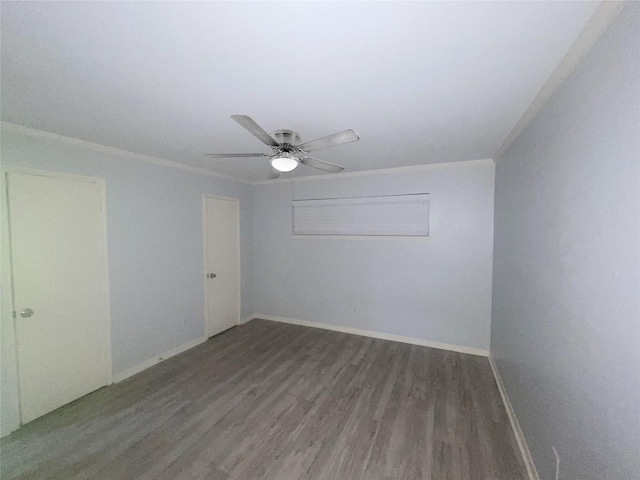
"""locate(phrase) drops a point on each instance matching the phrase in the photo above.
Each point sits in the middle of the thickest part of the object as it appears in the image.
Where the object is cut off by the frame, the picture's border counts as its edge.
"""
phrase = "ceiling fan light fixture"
(284, 162)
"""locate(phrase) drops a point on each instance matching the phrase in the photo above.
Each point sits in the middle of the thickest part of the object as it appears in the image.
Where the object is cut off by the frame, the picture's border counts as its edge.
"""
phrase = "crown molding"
(381, 171)
(601, 18)
(96, 147)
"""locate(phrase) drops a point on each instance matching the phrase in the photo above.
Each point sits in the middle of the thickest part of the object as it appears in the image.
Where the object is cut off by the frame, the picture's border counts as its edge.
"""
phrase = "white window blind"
(392, 215)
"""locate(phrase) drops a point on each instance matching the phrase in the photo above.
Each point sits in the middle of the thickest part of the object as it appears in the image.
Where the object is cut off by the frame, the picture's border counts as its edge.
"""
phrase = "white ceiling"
(421, 82)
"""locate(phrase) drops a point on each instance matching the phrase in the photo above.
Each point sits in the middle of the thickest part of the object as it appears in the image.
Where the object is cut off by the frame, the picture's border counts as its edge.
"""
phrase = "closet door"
(222, 263)
(60, 288)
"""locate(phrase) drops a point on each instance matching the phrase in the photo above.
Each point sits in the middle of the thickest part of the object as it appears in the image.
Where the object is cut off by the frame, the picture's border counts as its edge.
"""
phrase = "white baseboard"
(118, 377)
(522, 443)
(380, 335)
(247, 318)
(9, 429)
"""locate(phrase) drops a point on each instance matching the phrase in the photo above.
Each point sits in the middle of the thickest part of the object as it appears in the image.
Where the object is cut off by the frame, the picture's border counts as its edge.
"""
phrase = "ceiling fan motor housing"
(286, 137)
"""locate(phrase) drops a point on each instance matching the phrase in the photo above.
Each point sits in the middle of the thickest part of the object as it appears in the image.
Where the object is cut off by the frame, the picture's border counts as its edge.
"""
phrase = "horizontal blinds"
(393, 215)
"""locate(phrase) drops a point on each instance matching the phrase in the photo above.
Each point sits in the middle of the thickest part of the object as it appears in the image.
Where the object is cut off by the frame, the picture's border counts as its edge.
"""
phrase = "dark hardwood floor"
(267, 400)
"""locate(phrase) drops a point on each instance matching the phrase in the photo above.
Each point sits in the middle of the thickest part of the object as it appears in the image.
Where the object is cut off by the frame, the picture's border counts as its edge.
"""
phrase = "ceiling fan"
(288, 152)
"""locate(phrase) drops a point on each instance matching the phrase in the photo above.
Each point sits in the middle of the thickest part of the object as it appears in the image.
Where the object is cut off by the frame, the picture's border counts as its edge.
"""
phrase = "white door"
(60, 288)
(222, 263)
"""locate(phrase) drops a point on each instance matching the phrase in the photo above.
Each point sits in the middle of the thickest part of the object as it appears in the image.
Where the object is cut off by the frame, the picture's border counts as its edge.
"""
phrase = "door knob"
(212, 275)
(26, 313)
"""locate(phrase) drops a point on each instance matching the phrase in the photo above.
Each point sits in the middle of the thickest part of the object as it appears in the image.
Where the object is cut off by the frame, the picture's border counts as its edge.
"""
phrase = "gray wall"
(437, 290)
(154, 221)
(566, 323)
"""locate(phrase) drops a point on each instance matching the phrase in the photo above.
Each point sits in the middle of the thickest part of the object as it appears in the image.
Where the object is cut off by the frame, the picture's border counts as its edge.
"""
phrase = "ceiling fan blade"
(273, 174)
(235, 155)
(330, 141)
(252, 127)
(321, 164)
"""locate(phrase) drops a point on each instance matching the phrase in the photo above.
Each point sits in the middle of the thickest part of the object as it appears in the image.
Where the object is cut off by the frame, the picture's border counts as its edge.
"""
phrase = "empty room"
(399, 242)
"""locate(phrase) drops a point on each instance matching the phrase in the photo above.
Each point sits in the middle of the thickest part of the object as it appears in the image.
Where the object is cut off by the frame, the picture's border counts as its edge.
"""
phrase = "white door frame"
(204, 251)
(108, 368)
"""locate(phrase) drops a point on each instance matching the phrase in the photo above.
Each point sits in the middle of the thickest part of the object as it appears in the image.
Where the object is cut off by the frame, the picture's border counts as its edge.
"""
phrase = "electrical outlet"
(555, 452)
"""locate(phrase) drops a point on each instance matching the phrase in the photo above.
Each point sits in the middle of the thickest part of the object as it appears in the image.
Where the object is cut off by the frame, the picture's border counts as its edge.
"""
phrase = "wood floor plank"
(267, 400)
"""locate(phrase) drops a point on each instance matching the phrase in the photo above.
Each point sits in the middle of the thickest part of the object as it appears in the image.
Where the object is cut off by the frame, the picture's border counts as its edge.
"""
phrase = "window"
(391, 215)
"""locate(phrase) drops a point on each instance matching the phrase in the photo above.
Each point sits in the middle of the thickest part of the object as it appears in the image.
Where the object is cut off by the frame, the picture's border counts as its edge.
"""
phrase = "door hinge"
(14, 314)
